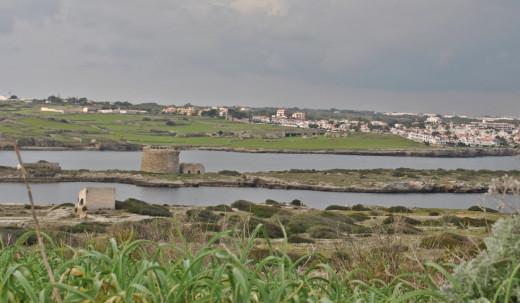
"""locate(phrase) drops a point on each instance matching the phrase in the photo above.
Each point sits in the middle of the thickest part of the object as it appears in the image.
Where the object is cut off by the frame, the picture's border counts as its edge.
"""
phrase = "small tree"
(296, 202)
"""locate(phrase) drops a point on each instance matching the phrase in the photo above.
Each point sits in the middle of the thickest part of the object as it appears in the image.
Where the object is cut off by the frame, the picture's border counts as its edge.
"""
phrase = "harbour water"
(56, 193)
(215, 161)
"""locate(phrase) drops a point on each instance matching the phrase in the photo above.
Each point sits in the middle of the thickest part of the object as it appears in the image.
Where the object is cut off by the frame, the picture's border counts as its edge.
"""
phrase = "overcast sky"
(442, 56)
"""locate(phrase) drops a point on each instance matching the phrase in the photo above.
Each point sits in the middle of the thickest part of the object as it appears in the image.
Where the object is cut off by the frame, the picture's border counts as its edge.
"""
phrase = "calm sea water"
(244, 162)
(215, 161)
(48, 193)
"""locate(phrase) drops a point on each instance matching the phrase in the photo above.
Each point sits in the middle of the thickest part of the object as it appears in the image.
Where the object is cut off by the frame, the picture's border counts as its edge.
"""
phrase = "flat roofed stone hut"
(94, 198)
(192, 168)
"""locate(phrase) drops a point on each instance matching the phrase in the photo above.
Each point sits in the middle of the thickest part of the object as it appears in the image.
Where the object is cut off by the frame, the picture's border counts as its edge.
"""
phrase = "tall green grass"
(133, 272)
(223, 270)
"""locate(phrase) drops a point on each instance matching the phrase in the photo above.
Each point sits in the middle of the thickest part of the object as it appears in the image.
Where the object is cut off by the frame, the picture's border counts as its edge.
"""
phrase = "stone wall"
(161, 160)
(192, 168)
(90, 198)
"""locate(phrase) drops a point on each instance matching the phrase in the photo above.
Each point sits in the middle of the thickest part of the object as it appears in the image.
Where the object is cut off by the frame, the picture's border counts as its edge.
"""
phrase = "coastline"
(451, 152)
(244, 181)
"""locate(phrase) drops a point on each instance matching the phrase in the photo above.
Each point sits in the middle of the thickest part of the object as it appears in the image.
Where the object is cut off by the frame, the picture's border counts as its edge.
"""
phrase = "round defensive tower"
(161, 160)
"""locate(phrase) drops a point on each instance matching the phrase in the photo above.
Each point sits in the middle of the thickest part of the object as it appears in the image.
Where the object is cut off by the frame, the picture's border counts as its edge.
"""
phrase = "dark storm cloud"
(441, 56)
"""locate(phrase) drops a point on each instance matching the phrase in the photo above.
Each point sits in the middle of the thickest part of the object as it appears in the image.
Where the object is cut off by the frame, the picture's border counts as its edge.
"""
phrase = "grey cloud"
(267, 51)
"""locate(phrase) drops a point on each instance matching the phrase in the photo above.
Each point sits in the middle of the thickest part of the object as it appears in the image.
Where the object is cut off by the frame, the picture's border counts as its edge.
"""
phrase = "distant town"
(430, 129)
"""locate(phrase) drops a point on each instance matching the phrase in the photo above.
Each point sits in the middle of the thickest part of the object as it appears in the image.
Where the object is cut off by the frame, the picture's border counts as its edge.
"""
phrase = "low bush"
(272, 202)
(434, 213)
(10, 235)
(337, 217)
(375, 213)
(392, 219)
(494, 272)
(296, 202)
(323, 232)
(432, 222)
(261, 211)
(301, 223)
(229, 173)
(205, 227)
(360, 207)
(248, 224)
(28, 206)
(444, 240)
(359, 216)
(403, 229)
(299, 239)
(220, 207)
(337, 207)
(473, 222)
(63, 205)
(451, 219)
(482, 209)
(399, 209)
(202, 215)
(139, 207)
(85, 227)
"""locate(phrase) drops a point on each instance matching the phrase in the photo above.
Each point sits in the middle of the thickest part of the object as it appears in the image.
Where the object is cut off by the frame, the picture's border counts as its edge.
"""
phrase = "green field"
(353, 142)
(26, 124)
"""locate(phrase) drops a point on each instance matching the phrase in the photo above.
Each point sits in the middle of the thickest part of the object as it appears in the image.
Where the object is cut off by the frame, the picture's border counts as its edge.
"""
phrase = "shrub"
(205, 227)
(444, 240)
(434, 213)
(85, 227)
(494, 272)
(229, 173)
(301, 223)
(202, 215)
(272, 202)
(359, 216)
(261, 211)
(299, 239)
(399, 209)
(250, 223)
(296, 202)
(375, 213)
(139, 207)
(63, 205)
(403, 229)
(220, 207)
(360, 207)
(323, 232)
(451, 219)
(432, 222)
(337, 207)
(481, 209)
(28, 206)
(392, 219)
(473, 222)
(10, 235)
(337, 217)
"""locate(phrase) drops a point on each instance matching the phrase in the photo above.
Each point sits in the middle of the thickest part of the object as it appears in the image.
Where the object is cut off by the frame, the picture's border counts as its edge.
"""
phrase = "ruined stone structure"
(192, 168)
(165, 160)
(161, 160)
(92, 198)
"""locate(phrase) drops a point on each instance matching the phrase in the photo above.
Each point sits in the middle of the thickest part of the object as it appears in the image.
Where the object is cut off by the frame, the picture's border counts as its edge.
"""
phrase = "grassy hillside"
(26, 125)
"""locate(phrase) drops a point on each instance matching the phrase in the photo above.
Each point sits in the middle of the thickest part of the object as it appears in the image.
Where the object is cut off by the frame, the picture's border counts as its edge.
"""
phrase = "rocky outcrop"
(244, 181)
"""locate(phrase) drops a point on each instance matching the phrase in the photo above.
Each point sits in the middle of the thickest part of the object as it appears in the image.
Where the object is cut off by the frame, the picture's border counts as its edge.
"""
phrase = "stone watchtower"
(161, 160)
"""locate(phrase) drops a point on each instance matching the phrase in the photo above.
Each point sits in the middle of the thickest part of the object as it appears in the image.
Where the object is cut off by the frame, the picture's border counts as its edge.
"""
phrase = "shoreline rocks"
(244, 181)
